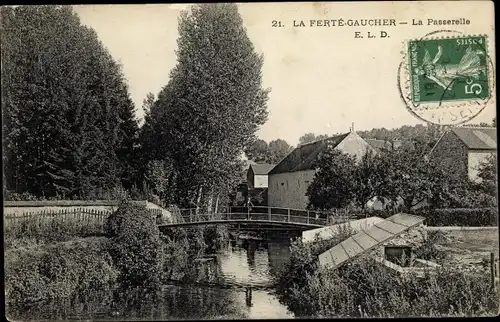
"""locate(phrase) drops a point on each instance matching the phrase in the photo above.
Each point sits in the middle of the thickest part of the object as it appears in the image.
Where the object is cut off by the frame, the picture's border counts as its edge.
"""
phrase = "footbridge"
(265, 218)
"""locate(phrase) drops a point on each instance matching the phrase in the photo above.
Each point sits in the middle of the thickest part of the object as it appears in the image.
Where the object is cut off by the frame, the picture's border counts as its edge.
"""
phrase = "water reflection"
(241, 289)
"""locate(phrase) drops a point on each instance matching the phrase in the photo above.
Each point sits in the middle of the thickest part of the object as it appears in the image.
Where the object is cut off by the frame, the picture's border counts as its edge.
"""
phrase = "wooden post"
(288, 214)
(308, 216)
(492, 271)
(269, 212)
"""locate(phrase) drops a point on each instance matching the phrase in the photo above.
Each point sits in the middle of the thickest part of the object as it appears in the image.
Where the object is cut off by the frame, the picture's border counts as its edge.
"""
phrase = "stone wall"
(288, 190)
(414, 237)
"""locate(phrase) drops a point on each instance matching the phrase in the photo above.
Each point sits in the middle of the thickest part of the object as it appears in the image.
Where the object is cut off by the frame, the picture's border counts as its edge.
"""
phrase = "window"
(400, 255)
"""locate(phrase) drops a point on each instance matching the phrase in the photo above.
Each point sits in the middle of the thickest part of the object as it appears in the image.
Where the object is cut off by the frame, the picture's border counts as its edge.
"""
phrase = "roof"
(477, 138)
(249, 163)
(260, 169)
(378, 144)
(303, 157)
(379, 233)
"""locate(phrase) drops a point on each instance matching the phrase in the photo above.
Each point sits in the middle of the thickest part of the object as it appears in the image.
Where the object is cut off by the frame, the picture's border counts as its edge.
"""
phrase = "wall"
(288, 190)
(14, 208)
(413, 237)
(250, 178)
(353, 144)
(325, 233)
(475, 159)
(260, 181)
(33, 209)
(451, 152)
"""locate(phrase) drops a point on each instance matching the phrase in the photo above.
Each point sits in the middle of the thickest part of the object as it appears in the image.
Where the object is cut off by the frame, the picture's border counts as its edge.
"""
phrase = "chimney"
(352, 127)
(396, 143)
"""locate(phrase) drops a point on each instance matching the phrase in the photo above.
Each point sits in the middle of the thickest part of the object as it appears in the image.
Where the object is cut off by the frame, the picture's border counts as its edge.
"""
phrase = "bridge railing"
(275, 214)
(271, 217)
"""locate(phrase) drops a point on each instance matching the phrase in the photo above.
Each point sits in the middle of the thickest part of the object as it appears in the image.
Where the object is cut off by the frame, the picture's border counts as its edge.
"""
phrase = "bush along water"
(135, 247)
(181, 247)
(76, 269)
(364, 288)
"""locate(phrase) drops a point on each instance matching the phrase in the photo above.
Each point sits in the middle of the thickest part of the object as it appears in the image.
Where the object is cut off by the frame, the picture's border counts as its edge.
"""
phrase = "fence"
(80, 215)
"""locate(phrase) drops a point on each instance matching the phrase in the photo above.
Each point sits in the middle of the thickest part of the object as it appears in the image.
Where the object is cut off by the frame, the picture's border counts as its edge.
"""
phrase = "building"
(246, 160)
(392, 242)
(288, 181)
(257, 175)
(461, 150)
(381, 145)
(241, 193)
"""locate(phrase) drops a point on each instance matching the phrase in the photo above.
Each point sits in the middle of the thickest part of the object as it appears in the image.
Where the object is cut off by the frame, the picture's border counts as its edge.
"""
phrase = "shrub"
(63, 270)
(303, 262)
(182, 245)
(15, 196)
(176, 255)
(136, 247)
(460, 217)
(365, 288)
(428, 250)
(38, 230)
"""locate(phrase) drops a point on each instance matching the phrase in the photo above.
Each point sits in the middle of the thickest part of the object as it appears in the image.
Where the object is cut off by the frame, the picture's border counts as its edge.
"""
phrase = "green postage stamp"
(447, 77)
(448, 69)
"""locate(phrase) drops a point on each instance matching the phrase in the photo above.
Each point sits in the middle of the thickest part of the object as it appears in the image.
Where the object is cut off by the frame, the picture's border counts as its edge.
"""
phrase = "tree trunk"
(198, 200)
(210, 202)
(217, 204)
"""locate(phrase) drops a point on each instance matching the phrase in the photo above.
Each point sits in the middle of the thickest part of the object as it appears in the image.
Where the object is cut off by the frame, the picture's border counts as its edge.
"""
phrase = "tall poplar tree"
(65, 105)
(214, 103)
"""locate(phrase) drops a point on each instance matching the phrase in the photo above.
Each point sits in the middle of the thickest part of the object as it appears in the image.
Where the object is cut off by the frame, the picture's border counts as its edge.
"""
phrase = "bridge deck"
(290, 218)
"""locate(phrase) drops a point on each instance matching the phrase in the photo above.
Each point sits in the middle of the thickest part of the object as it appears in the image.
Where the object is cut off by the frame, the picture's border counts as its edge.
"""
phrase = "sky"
(322, 79)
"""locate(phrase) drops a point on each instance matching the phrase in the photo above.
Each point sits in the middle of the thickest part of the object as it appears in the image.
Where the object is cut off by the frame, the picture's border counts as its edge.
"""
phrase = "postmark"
(446, 77)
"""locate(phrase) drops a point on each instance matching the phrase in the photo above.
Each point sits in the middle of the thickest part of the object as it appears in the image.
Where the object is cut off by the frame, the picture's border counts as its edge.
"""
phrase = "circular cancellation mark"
(446, 77)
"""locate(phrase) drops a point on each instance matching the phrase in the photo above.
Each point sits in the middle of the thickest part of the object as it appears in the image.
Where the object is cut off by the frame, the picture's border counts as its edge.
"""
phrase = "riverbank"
(42, 264)
(364, 288)
(243, 289)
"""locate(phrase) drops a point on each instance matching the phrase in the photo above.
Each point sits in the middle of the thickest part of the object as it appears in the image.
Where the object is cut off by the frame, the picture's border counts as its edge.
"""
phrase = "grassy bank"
(32, 231)
(364, 288)
(55, 271)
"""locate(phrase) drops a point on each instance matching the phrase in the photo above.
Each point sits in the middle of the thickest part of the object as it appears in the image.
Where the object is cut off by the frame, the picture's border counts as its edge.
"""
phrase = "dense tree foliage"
(488, 178)
(406, 173)
(311, 137)
(69, 124)
(258, 151)
(419, 135)
(261, 152)
(368, 178)
(404, 177)
(334, 182)
(278, 149)
(212, 106)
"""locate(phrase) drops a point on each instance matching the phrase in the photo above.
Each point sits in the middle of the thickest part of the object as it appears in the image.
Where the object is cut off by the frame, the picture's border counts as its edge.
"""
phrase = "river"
(243, 289)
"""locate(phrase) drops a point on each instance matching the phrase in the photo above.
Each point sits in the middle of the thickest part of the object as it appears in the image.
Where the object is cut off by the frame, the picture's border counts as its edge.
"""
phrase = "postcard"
(250, 160)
